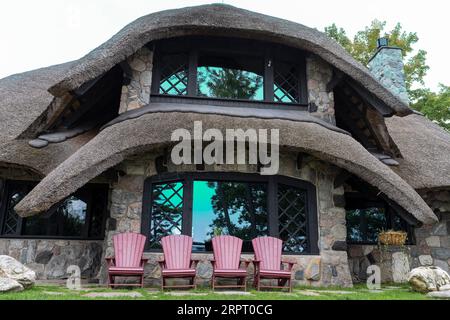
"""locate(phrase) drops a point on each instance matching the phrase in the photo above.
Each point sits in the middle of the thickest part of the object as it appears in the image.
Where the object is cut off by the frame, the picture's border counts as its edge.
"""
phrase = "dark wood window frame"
(268, 52)
(390, 216)
(86, 228)
(272, 201)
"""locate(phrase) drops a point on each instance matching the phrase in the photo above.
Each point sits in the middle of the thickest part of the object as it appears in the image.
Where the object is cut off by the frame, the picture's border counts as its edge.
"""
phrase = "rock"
(312, 271)
(400, 267)
(441, 264)
(426, 260)
(439, 294)
(433, 241)
(299, 275)
(9, 285)
(38, 143)
(44, 257)
(13, 269)
(445, 288)
(441, 253)
(113, 295)
(426, 279)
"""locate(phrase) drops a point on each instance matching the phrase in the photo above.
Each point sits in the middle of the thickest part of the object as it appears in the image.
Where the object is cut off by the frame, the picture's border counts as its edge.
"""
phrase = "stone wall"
(432, 247)
(51, 258)
(328, 268)
(433, 241)
(387, 67)
(319, 73)
(137, 93)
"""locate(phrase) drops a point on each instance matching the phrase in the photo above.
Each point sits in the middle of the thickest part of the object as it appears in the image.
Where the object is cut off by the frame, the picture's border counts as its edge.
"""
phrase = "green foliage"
(364, 45)
(436, 106)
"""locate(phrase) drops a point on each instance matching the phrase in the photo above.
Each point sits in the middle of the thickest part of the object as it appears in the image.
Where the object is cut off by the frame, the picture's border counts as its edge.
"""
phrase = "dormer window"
(225, 70)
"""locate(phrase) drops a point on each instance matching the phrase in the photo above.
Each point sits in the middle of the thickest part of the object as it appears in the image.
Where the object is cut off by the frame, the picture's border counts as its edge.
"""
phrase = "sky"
(40, 33)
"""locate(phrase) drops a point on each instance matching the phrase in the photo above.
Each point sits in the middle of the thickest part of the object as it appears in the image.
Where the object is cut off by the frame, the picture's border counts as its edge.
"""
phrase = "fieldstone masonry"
(137, 93)
(51, 258)
(319, 73)
(329, 268)
(387, 66)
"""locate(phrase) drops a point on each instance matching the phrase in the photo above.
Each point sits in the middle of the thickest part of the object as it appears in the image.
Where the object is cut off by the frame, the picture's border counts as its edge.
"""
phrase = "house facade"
(86, 151)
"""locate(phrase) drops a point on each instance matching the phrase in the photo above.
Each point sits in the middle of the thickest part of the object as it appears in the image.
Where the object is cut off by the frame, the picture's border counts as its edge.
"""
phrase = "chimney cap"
(382, 42)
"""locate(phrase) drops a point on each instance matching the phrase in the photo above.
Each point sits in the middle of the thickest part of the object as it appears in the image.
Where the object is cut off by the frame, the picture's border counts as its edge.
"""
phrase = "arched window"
(243, 205)
(223, 70)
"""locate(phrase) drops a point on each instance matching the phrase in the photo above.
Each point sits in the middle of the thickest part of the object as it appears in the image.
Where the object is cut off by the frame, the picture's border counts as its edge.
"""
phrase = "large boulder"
(12, 269)
(427, 279)
(9, 285)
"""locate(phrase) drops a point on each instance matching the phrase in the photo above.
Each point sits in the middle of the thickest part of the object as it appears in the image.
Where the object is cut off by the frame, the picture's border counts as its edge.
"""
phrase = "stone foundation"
(51, 258)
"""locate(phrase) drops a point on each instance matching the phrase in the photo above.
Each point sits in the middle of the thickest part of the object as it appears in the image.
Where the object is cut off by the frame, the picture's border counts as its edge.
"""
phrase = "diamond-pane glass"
(167, 211)
(174, 75)
(286, 83)
(292, 218)
(16, 193)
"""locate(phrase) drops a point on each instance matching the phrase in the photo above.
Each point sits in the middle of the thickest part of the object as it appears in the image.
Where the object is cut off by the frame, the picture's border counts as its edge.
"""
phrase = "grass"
(359, 292)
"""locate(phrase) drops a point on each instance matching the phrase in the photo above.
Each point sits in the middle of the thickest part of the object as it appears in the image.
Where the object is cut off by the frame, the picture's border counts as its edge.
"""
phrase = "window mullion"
(268, 77)
(187, 207)
(272, 206)
(192, 73)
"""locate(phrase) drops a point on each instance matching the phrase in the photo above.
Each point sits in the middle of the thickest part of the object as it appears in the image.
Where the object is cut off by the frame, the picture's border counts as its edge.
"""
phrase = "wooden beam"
(341, 178)
(335, 80)
(371, 99)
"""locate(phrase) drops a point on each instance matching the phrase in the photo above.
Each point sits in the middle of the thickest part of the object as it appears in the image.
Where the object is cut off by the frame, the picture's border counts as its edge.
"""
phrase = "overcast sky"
(40, 33)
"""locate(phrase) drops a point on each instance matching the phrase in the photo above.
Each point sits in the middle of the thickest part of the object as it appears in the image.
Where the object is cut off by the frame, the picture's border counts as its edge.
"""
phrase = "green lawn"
(360, 292)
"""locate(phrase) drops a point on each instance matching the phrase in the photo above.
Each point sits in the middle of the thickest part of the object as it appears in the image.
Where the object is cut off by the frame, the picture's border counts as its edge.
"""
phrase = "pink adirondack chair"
(227, 261)
(177, 261)
(268, 263)
(128, 260)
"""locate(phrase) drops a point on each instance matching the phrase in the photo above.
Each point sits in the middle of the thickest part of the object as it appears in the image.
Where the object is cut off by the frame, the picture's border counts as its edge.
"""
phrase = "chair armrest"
(162, 263)
(194, 263)
(111, 262)
(245, 262)
(143, 261)
(289, 263)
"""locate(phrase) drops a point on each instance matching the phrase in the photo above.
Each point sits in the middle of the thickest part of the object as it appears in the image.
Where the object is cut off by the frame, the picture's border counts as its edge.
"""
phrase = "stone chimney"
(387, 66)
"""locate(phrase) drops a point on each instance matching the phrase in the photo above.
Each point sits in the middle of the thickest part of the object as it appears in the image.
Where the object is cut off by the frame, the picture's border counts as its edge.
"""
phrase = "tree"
(229, 83)
(435, 106)
(364, 45)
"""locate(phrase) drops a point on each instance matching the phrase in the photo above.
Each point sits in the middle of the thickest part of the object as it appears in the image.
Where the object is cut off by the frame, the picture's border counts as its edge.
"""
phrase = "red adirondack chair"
(177, 261)
(128, 260)
(268, 263)
(227, 261)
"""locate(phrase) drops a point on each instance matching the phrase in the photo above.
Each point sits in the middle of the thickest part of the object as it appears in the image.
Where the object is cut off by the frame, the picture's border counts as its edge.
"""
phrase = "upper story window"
(224, 69)
(80, 216)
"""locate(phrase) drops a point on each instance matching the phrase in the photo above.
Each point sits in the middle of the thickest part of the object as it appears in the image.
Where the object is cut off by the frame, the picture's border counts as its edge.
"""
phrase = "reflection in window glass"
(237, 77)
(286, 83)
(363, 225)
(174, 75)
(228, 208)
(67, 220)
(167, 211)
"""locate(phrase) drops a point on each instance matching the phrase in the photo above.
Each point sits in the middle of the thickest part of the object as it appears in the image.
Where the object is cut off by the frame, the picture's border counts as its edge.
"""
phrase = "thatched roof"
(24, 97)
(225, 20)
(426, 151)
(153, 130)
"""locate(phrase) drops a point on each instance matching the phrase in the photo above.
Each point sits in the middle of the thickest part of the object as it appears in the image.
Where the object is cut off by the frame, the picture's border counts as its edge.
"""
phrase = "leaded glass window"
(81, 215)
(174, 75)
(286, 83)
(292, 215)
(167, 211)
